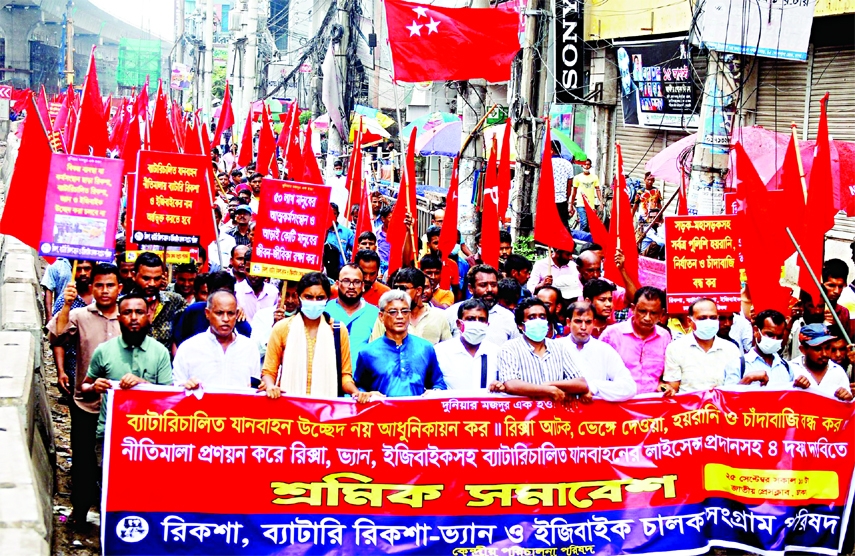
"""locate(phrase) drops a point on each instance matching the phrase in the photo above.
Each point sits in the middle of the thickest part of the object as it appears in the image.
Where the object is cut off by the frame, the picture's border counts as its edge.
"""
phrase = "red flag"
(622, 229)
(175, 118)
(820, 205)
(490, 213)
(504, 175)
(682, 202)
(266, 144)
(245, 153)
(25, 199)
(311, 171)
(227, 116)
(289, 142)
(108, 107)
(141, 102)
(793, 193)
(161, 134)
(354, 172)
(601, 236)
(131, 147)
(42, 107)
(365, 220)
(448, 233)
(61, 121)
(763, 273)
(90, 134)
(548, 227)
(405, 203)
(484, 42)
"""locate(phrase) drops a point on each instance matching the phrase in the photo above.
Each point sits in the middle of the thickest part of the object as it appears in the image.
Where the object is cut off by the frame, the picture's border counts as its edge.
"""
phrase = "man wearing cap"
(814, 371)
(243, 214)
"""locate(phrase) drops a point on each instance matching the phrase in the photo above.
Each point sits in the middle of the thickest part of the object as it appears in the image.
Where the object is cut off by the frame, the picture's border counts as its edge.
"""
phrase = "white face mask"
(769, 345)
(474, 332)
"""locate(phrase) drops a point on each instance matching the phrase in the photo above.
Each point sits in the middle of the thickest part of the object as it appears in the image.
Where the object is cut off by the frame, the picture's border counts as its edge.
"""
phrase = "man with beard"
(351, 310)
(77, 294)
(557, 270)
(483, 284)
(600, 294)
(254, 293)
(369, 263)
(217, 357)
(132, 358)
(554, 302)
(185, 278)
(126, 272)
(86, 328)
(164, 307)
(607, 376)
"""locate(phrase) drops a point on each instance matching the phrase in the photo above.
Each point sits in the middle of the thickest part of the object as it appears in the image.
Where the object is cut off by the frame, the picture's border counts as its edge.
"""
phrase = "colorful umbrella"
(425, 123)
(374, 114)
(372, 131)
(569, 149)
(443, 139)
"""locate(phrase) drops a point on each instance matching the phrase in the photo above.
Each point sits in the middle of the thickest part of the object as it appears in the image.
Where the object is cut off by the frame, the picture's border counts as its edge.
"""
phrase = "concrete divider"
(27, 446)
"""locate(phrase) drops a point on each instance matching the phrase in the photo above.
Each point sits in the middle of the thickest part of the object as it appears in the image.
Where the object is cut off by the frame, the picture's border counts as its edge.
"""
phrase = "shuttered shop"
(781, 89)
(834, 72)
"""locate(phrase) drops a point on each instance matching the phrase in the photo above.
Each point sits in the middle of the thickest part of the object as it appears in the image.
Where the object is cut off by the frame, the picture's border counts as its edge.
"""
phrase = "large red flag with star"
(430, 43)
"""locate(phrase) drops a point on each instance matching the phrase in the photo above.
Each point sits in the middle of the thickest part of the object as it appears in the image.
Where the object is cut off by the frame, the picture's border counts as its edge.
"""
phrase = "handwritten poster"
(172, 202)
(290, 229)
(702, 255)
(81, 207)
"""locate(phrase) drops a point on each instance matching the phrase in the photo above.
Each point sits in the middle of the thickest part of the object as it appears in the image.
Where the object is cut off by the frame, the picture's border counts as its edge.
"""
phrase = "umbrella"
(569, 149)
(425, 123)
(374, 114)
(756, 141)
(442, 139)
(498, 131)
(372, 131)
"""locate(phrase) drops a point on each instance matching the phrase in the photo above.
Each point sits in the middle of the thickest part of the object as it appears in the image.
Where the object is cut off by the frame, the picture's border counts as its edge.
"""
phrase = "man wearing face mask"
(536, 366)
(762, 365)
(468, 362)
(607, 376)
(697, 360)
(814, 371)
(484, 285)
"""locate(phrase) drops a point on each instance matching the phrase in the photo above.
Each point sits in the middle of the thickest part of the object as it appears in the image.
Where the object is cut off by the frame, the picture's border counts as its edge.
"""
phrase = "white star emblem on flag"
(415, 29)
(432, 26)
(421, 11)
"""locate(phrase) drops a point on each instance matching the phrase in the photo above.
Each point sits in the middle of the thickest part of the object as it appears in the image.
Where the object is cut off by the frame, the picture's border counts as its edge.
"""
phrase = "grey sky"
(152, 15)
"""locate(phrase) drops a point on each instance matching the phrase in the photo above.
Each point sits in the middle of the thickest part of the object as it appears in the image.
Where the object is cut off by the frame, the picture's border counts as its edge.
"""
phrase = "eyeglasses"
(396, 312)
(348, 282)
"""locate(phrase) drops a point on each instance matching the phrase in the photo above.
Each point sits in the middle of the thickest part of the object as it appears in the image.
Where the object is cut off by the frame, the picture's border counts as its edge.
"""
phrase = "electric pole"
(207, 111)
(705, 194)
(69, 45)
(532, 89)
(336, 141)
(179, 40)
(250, 57)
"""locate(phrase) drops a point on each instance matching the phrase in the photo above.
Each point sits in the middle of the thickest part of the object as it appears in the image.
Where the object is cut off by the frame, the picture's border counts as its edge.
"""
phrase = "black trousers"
(85, 472)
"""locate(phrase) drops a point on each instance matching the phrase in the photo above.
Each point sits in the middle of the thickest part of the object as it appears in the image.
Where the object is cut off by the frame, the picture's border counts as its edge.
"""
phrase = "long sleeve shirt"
(399, 370)
(603, 369)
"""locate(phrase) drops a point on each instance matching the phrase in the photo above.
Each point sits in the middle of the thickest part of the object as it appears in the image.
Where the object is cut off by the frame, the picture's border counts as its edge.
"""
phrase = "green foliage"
(305, 117)
(524, 245)
(218, 82)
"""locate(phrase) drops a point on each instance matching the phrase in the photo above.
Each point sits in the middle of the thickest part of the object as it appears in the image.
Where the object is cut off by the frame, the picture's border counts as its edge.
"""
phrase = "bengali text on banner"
(81, 207)
(172, 202)
(291, 229)
(500, 476)
(702, 261)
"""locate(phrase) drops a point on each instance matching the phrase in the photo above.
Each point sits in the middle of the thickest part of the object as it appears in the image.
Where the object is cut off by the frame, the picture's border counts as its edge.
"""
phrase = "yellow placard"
(772, 484)
(278, 271)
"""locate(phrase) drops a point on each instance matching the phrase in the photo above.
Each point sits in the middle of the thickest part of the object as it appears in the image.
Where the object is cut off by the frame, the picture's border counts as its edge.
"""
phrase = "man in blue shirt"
(343, 241)
(351, 310)
(398, 364)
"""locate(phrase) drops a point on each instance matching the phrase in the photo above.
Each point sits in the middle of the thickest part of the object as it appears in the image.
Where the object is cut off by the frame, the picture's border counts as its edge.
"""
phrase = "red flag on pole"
(90, 134)
(132, 146)
(820, 204)
(42, 107)
(484, 41)
(25, 200)
(141, 102)
(793, 185)
(682, 202)
(354, 172)
(448, 233)
(311, 171)
(227, 116)
(161, 134)
(405, 203)
(108, 107)
(490, 213)
(548, 227)
(364, 220)
(622, 229)
(601, 236)
(266, 144)
(504, 175)
(245, 153)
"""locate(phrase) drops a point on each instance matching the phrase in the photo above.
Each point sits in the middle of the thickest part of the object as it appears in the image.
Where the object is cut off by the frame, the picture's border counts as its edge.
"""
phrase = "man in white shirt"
(697, 361)
(338, 194)
(217, 357)
(607, 376)
(468, 362)
(814, 371)
(483, 283)
(254, 293)
(558, 270)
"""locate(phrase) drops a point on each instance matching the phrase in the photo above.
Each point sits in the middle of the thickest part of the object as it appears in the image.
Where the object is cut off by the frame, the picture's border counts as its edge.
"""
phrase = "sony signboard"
(569, 51)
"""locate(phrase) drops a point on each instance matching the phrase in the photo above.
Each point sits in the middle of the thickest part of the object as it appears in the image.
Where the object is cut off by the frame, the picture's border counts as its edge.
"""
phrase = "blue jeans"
(583, 219)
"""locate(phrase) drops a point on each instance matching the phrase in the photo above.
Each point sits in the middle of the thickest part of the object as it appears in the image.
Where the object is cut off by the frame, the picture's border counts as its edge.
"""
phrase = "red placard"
(81, 207)
(290, 229)
(702, 261)
(172, 202)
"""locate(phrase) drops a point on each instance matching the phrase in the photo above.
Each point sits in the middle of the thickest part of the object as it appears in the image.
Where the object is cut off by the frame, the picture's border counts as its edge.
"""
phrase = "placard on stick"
(702, 261)
(290, 229)
(82, 207)
(171, 205)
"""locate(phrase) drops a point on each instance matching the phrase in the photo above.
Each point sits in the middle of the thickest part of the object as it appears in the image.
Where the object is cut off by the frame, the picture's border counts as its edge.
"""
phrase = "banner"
(82, 207)
(290, 229)
(656, 84)
(172, 202)
(569, 52)
(500, 476)
(702, 260)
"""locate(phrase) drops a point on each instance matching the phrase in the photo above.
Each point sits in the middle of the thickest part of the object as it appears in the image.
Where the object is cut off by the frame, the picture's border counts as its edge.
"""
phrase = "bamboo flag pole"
(799, 160)
(211, 209)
